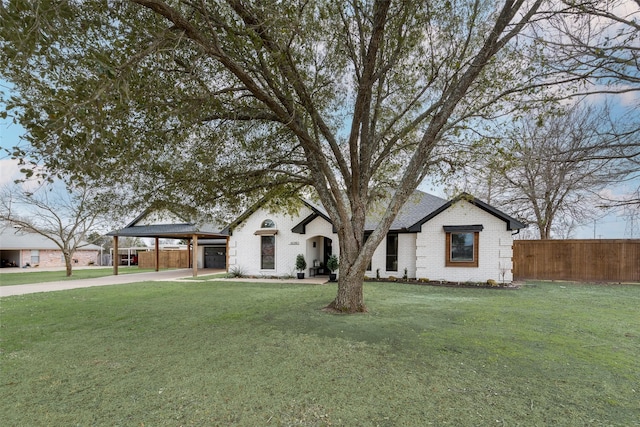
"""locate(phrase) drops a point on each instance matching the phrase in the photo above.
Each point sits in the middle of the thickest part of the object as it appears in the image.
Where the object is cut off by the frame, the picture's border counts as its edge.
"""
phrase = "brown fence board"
(168, 259)
(611, 260)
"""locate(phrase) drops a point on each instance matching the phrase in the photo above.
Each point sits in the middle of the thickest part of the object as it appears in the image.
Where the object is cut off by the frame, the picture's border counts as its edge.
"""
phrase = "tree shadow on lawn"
(399, 314)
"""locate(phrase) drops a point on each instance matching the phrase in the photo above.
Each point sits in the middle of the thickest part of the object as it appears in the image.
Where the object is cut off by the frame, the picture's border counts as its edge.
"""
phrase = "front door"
(328, 250)
(215, 257)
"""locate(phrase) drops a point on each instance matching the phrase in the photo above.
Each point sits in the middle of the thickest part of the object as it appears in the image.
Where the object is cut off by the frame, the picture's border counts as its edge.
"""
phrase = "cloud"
(621, 192)
(9, 171)
(627, 96)
(630, 99)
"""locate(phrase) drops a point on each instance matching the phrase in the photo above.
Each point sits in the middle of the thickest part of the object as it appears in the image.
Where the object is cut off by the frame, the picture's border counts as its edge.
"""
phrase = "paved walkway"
(164, 275)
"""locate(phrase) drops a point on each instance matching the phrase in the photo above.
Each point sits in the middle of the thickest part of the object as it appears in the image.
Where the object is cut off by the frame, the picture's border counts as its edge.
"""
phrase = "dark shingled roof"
(512, 223)
(179, 230)
(169, 231)
(420, 208)
(417, 207)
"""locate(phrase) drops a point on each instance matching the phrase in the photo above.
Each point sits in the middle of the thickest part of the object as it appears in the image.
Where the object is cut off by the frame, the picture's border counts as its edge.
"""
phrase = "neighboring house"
(460, 240)
(20, 249)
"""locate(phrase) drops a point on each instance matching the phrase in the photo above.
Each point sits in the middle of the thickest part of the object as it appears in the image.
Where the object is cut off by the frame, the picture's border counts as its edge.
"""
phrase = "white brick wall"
(495, 246)
(406, 258)
(244, 245)
(422, 254)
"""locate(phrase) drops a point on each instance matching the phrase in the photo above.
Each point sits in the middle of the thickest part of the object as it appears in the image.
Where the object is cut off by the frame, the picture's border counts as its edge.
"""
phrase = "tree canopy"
(221, 103)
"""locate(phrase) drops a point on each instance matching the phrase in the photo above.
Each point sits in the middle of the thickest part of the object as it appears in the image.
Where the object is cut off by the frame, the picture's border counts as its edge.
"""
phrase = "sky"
(9, 137)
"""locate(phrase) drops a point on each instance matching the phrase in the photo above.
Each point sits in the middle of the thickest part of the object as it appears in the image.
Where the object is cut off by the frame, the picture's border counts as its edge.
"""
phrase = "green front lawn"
(34, 276)
(248, 354)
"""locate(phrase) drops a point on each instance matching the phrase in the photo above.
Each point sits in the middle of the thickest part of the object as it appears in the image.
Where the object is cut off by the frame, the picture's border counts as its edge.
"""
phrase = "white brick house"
(460, 240)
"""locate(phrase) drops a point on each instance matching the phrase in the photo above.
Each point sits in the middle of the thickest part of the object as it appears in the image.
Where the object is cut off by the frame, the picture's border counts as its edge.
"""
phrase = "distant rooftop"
(14, 239)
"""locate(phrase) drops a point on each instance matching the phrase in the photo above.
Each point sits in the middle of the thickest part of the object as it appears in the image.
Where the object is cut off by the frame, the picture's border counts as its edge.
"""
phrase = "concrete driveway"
(164, 275)
(6, 291)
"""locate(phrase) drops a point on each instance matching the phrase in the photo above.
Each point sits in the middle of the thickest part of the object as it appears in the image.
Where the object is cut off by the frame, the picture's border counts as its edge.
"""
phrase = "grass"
(247, 354)
(208, 277)
(32, 276)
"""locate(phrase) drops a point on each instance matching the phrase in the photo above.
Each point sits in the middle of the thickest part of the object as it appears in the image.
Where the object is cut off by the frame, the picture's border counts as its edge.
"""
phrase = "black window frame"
(391, 253)
(264, 249)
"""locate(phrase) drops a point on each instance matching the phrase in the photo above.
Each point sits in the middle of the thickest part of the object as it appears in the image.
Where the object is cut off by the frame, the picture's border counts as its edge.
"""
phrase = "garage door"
(215, 257)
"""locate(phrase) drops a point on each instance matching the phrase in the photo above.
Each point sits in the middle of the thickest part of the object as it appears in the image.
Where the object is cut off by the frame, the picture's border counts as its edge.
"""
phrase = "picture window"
(462, 248)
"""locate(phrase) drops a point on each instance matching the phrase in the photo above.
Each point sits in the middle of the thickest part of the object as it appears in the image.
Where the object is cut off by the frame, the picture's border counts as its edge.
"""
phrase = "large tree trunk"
(350, 297)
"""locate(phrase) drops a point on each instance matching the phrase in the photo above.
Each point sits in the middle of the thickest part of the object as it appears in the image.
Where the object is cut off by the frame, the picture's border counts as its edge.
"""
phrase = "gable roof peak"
(512, 223)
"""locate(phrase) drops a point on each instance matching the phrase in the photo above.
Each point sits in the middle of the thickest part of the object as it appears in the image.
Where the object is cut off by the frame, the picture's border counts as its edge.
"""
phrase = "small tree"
(99, 239)
(301, 264)
(64, 217)
(332, 265)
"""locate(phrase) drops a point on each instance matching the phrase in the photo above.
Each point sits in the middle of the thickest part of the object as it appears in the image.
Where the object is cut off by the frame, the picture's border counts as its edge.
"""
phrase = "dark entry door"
(328, 249)
(215, 257)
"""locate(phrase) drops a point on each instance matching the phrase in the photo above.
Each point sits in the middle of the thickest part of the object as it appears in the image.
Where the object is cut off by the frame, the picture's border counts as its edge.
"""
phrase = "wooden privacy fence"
(579, 260)
(168, 259)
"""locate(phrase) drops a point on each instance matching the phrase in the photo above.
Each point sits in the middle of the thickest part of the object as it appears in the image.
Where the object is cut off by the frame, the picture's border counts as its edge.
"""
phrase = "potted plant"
(332, 265)
(301, 264)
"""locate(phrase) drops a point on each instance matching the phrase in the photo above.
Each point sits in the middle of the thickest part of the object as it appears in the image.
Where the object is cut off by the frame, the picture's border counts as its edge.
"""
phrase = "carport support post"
(189, 265)
(194, 257)
(226, 261)
(115, 258)
(157, 253)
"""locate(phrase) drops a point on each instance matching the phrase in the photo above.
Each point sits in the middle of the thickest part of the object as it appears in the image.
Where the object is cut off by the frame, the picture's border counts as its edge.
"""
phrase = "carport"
(10, 258)
(183, 231)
